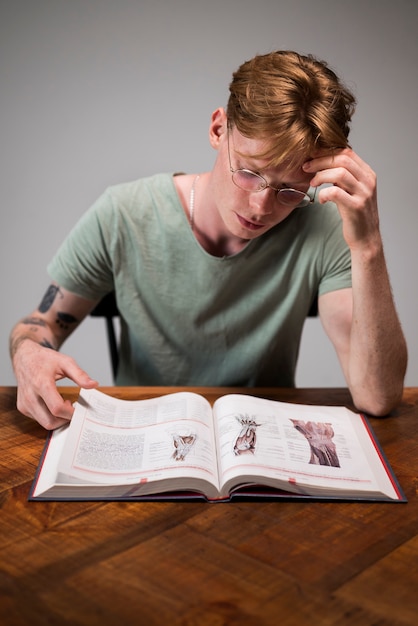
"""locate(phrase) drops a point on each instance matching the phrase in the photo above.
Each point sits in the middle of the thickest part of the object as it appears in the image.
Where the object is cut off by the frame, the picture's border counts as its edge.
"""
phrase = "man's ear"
(217, 128)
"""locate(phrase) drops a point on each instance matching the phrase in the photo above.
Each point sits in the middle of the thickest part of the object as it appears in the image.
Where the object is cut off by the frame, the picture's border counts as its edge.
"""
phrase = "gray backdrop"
(96, 92)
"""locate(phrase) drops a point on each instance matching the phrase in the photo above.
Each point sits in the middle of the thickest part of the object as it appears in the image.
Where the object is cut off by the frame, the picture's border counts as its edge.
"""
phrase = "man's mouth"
(247, 224)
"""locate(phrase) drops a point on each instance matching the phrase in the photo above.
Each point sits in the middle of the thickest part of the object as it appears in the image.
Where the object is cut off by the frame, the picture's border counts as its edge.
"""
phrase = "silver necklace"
(191, 202)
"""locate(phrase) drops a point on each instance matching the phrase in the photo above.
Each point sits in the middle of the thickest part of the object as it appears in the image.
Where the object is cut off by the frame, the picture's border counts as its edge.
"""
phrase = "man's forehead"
(250, 153)
(257, 153)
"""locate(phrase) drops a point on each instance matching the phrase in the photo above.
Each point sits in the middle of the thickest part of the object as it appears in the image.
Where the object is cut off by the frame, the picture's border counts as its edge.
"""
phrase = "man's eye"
(251, 178)
(249, 175)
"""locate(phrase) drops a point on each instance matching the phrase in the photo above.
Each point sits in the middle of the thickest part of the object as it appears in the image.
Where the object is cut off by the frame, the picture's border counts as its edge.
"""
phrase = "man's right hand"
(34, 345)
(37, 369)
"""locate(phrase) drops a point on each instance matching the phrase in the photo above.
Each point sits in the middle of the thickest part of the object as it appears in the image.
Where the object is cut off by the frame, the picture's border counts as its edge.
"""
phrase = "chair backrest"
(108, 309)
(313, 311)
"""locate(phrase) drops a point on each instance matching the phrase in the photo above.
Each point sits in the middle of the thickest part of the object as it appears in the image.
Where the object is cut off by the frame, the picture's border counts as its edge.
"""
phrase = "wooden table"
(186, 564)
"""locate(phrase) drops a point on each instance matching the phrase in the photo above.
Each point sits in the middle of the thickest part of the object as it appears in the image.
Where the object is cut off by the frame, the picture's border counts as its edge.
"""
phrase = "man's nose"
(263, 201)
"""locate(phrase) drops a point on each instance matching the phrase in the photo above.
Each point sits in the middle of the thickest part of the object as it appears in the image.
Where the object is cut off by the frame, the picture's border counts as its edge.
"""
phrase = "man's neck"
(205, 221)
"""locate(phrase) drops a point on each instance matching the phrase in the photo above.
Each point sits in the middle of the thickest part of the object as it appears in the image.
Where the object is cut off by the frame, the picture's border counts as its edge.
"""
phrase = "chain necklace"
(191, 202)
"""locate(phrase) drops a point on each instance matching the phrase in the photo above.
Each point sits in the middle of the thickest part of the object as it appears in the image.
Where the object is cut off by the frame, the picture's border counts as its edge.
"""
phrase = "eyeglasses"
(253, 182)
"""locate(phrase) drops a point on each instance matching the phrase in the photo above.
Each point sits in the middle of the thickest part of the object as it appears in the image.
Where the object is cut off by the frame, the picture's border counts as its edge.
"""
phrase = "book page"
(116, 441)
(303, 446)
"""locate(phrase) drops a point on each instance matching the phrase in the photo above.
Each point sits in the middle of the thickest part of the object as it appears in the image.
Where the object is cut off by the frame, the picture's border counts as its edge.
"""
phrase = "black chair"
(108, 309)
(313, 311)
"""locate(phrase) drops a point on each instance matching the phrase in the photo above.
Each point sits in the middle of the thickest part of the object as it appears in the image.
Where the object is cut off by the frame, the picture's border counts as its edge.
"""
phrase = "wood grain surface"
(196, 564)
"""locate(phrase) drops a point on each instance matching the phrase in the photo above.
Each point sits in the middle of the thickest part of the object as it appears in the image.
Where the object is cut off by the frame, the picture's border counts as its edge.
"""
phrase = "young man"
(214, 273)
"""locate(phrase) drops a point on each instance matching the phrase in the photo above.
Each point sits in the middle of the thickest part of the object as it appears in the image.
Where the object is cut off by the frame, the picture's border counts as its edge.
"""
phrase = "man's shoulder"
(155, 183)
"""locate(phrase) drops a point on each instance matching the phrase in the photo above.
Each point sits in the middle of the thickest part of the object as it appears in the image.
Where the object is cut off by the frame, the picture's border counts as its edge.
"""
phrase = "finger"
(325, 161)
(338, 177)
(347, 160)
(334, 194)
(77, 375)
(55, 403)
(33, 406)
(47, 420)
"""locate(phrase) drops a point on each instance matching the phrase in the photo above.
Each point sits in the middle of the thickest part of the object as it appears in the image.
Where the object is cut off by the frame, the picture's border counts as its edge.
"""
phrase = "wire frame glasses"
(252, 182)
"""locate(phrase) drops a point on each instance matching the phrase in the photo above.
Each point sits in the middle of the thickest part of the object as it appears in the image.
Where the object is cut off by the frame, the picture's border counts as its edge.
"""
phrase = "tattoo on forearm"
(34, 321)
(45, 344)
(15, 343)
(49, 298)
(65, 320)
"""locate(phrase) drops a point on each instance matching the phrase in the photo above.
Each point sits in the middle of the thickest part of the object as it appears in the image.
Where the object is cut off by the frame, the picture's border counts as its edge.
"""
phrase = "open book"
(179, 446)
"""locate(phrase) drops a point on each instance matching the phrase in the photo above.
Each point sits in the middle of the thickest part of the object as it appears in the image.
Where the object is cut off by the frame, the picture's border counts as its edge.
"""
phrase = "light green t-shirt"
(188, 318)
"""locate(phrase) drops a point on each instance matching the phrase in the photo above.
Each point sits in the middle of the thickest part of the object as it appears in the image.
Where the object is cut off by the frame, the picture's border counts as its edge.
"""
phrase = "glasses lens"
(249, 181)
(293, 197)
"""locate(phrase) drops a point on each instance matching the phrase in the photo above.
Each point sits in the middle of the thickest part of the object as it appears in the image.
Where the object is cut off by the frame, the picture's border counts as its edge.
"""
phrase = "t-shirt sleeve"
(83, 262)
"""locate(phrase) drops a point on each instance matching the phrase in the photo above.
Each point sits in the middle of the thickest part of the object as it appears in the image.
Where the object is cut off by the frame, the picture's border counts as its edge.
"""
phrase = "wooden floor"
(195, 564)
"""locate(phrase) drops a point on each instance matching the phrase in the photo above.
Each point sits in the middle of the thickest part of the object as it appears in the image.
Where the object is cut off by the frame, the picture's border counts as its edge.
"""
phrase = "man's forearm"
(378, 353)
(35, 329)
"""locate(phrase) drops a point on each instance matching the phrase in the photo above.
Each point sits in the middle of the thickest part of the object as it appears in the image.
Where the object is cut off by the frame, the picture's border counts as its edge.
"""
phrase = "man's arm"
(372, 352)
(34, 345)
(362, 322)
